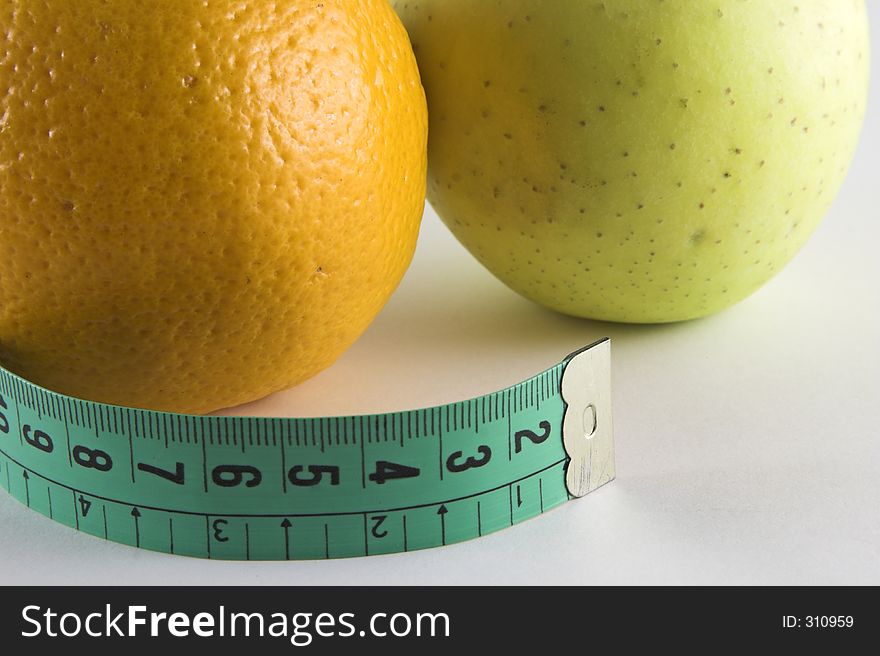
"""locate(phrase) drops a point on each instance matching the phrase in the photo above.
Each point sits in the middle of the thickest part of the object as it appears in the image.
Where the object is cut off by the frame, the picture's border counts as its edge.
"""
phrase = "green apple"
(636, 160)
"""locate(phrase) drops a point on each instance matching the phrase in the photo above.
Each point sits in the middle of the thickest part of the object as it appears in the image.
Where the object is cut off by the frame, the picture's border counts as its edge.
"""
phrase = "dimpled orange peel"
(201, 203)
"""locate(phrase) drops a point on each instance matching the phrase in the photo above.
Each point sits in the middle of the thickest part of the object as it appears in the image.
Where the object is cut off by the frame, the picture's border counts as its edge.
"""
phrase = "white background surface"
(747, 443)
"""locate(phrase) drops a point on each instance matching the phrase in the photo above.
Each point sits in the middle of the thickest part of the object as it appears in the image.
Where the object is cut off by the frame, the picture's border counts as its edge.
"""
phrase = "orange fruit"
(201, 202)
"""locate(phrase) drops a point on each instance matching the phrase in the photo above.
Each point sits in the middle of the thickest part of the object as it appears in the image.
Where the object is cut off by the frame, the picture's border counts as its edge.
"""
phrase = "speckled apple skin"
(634, 160)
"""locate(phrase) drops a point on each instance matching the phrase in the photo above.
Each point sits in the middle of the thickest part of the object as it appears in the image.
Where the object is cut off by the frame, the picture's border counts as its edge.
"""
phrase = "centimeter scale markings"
(272, 488)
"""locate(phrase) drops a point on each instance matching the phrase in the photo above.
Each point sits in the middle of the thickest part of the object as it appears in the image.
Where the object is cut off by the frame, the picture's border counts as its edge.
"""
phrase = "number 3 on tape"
(268, 488)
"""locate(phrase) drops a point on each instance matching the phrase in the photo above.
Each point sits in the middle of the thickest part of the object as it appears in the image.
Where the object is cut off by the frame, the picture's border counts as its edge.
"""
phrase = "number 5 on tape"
(268, 488)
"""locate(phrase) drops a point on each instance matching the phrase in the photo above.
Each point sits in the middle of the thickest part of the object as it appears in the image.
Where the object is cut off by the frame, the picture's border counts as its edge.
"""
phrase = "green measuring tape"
(246, 488)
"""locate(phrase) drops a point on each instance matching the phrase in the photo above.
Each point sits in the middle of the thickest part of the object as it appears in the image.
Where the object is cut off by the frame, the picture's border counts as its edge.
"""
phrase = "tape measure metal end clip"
(587, 430)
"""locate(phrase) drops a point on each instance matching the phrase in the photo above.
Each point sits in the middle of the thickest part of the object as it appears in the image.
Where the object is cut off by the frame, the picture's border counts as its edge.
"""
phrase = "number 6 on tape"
(254, 488)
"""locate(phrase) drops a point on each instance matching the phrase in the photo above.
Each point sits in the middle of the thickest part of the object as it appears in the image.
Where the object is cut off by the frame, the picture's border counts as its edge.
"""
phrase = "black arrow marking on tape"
(442, 512)
(286, 526)
(367, 537)
(518, 496)
(510, 501)
(136, 514)
(27, 489)
(75, 510)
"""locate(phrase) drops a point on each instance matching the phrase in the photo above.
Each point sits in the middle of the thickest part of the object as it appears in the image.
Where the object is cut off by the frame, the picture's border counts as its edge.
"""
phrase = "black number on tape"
(176, 477)
(4, 422)
(532, 436)
(378, 520)
(38, 439)
(388, 471)
(317, 474)
(472, 462)
(233, 476)
(218, 526)
(92, 458)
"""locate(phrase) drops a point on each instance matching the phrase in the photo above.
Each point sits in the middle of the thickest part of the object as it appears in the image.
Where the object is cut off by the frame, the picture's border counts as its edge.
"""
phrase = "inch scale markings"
(312, 488)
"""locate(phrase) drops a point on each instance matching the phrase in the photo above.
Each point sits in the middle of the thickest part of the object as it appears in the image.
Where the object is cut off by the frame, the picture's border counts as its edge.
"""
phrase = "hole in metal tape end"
(591, 421)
